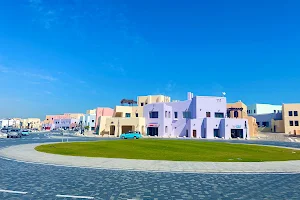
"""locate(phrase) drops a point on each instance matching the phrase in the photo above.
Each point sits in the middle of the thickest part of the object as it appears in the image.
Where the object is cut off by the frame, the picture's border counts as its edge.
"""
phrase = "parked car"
(25, 132)
(3, 135)
(131, 135)
(4, 130)
(14, 133)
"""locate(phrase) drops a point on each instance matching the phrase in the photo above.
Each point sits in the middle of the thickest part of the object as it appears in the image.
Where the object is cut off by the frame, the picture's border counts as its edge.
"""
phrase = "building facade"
(258, 109)
(9, 123)
(291, 118)
(88, 120)
(49, 122)
(31, 123)
(128, 118)
(66, 124)
(198, 117)
(239, 110)
(108, 112)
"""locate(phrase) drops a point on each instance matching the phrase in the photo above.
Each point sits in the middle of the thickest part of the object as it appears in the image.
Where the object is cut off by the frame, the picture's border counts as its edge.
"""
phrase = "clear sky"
(74, 55)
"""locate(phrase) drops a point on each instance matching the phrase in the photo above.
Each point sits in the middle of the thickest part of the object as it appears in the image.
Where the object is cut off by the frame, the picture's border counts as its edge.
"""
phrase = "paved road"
(33, 181)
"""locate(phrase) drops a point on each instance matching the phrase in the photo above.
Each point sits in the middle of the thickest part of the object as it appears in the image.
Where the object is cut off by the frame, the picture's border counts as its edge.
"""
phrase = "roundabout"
(29, 174)
(173, 150)
(208, 157)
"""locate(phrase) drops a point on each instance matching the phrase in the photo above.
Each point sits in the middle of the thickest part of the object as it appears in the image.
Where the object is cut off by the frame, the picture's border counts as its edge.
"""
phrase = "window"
(228, 114)
(266, 124)
(142, 104)
(166, 114)
(291, 123)
(274, 111)
(92, 121)
(153, 114)
(290, 113)
(236, 114)
(176, 115)
(295, 113)
(296, 123)
(254, 111)
(169, 114)
(136, 114)
(219, 115)
(166, 129)
(187, 114)
(207, 114)
(127, 115)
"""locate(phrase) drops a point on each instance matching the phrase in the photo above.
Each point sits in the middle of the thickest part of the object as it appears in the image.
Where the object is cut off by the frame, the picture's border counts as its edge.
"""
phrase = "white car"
(3, 135)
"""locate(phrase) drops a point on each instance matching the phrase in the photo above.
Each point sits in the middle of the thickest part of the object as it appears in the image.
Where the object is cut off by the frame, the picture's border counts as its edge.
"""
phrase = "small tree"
(87, 127)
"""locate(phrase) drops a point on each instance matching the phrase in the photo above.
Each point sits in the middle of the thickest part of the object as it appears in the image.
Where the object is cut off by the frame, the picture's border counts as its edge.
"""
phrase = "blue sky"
(70, 56)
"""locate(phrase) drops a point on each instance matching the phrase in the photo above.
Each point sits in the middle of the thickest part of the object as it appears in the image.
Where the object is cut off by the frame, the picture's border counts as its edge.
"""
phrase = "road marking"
(12, 191)
(74, 197)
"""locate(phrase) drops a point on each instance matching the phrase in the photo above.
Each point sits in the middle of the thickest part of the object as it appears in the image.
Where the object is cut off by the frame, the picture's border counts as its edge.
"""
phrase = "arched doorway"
(112, 130)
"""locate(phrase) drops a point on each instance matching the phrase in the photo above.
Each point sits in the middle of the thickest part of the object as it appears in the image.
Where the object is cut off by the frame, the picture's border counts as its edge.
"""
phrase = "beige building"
(31, 123)
(128, 118)
(290, 118)
(239, 110)
(91, 112)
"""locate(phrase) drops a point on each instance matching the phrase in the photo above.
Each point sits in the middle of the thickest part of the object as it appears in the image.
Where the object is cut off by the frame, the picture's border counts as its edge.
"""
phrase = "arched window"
(236, 114)
(228, 114)
(166, 129)
(169, 115)
(166, 114)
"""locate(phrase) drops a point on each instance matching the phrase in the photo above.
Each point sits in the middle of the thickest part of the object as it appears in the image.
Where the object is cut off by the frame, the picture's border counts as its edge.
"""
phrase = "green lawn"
(177, 150)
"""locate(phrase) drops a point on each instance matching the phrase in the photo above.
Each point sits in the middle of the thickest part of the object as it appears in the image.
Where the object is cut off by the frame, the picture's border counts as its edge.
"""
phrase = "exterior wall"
(136, 116)
(66, 123)
(89, 120)
(102, 112)
(105, 122)
(264, 121)
(242, 114)
(286, 118)
(91, 112)
(198, 124)
(144, 100)
(279, 126)
(31, 123)
(258, 109)
(4, 123)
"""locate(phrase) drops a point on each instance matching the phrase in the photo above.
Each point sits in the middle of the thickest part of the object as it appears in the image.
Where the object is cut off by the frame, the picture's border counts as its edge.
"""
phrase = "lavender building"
(199, 117)
(65, 123)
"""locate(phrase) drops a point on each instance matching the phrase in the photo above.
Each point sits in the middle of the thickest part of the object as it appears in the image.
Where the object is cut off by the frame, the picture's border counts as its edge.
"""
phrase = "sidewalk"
(27, 153)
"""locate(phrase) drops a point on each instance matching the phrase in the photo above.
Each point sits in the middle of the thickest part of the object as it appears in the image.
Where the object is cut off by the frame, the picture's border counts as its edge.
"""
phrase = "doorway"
(152, 131)
(275, 129)
(235, 133)
(112, 130)
(217, 133)
(194, 133)
(126, 129)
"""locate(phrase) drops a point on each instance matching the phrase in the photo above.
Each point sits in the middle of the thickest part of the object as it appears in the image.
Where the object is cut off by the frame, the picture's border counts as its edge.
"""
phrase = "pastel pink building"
(103, 112)
(49, 124)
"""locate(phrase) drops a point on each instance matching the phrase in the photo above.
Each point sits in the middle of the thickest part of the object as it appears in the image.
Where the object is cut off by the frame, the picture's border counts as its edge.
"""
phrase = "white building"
(258, 109)
(9, 122)
(89, 120)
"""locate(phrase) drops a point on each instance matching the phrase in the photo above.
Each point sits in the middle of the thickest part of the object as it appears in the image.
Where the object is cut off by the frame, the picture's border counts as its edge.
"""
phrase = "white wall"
(258, 109)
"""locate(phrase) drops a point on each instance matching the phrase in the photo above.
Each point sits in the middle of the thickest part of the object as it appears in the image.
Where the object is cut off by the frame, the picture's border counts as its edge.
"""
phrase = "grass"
(175, 150)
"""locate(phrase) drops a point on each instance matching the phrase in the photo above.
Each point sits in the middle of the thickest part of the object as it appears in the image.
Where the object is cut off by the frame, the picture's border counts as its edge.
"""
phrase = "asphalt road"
(35, 181)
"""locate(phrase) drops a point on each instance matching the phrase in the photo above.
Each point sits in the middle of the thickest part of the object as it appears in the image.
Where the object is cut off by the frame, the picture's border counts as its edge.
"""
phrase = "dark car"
(14, 133)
